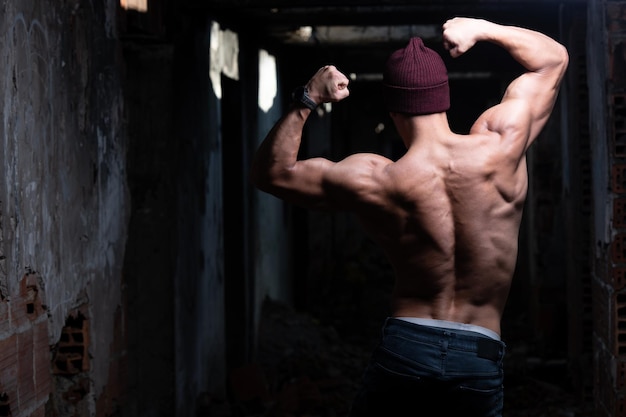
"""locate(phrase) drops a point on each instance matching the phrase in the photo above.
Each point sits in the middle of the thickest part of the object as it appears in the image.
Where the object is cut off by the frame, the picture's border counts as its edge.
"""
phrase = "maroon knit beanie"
(415, 81)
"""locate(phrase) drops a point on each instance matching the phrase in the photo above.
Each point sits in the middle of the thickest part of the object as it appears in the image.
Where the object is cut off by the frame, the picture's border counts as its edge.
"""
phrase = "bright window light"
(268, 85)
(224, 57)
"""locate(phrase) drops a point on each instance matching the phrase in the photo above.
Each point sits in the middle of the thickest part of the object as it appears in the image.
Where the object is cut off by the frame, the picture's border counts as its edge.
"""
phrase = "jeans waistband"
(484, 346)
(452, 325)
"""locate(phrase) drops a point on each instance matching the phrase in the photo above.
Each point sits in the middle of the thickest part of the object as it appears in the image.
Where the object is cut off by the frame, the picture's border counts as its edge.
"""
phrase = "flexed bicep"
(303, 184)
(321, 184)
(529, 100)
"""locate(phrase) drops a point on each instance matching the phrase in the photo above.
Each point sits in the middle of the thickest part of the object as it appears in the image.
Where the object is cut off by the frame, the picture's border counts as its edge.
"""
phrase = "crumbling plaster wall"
(63, 197)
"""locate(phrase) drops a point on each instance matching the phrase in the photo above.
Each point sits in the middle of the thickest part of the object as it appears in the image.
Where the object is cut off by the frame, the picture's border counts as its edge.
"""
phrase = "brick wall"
(25, 377)
(609, 286)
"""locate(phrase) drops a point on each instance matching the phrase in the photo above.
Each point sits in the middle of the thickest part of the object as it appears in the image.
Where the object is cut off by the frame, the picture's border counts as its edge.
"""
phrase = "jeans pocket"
(480, 397)
(426, 361)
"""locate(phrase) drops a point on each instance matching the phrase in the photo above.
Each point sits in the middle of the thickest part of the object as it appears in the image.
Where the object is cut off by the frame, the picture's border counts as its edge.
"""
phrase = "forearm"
(279, 150)
(534, 50)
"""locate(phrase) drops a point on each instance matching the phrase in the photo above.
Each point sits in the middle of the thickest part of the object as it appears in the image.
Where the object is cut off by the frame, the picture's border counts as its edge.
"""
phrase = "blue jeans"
(421, 370)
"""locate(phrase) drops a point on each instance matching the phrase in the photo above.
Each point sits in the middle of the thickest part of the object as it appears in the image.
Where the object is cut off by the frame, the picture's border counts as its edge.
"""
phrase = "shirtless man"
(447, 215)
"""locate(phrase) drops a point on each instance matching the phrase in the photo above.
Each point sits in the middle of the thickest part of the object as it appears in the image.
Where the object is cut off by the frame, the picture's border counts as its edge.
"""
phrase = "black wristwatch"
(301, 95)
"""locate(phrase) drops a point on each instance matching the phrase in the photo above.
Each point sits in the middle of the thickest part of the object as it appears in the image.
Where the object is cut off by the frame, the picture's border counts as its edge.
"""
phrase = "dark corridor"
(305, 357)
(311, 354)
(128, 132)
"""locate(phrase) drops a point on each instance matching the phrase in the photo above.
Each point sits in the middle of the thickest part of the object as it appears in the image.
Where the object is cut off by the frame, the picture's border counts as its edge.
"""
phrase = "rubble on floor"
(306, 369)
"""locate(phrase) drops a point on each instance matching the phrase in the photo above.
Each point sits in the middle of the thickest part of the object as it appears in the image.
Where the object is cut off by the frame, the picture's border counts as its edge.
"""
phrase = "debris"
(307, 369)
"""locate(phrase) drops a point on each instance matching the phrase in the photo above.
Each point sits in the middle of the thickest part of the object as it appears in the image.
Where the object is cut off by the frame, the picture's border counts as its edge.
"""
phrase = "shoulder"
(367, 164)
(359, 179)
(508, 123)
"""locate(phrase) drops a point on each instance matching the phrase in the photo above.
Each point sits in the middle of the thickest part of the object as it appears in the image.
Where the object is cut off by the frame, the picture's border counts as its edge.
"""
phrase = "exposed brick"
(620, 376)
(618, 178)
(616, 17)
(71, 351)
(619, 331)
(618, 248)
(619, 123)
(25, 380)
(8, 366)
(29, 293)
(19, 317)
(42, 375)
(24, 364)
(619, 113)
(618, 64)
(26, 306)
(619, 213)
(115, 391)
(620, 406)
(5, 324)
(618, 278)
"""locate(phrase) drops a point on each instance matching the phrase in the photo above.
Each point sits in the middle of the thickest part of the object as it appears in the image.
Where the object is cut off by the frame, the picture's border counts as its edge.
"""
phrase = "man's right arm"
(529, 99)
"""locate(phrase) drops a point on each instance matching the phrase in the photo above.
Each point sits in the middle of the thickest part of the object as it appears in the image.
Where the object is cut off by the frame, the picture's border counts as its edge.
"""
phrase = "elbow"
(265, 180)
(562, 58)
(261, 184)
(557, 64)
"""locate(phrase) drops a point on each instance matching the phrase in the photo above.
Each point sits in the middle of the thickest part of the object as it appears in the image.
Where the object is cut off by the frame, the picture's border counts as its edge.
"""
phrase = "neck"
(413, 128)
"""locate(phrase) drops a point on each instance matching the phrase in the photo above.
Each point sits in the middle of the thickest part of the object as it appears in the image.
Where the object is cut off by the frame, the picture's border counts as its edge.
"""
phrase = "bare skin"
(447, 213)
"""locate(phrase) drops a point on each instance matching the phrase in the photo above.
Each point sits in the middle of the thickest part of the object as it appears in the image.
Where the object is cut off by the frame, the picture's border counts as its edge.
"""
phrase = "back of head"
(415, 80)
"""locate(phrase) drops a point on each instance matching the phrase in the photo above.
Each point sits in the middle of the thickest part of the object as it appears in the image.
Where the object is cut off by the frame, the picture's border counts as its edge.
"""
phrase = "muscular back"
(448, 212)
(447, 216)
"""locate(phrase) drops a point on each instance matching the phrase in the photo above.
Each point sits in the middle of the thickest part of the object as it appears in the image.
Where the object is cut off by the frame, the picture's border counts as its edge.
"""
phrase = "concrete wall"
(272, 247)
(199, 280)
(111, 213)
(150, 257)
(174, 269)
(63, 204)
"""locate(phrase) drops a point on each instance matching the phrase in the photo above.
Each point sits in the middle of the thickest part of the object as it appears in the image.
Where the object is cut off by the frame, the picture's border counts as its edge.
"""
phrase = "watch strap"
(301, 95)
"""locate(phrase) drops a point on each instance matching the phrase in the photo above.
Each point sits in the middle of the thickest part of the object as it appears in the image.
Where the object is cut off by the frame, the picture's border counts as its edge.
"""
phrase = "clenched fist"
(328, 85)
(460, 34)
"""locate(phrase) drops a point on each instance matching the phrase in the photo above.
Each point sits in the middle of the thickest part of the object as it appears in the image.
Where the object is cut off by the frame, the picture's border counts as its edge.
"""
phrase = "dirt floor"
(306, 369)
